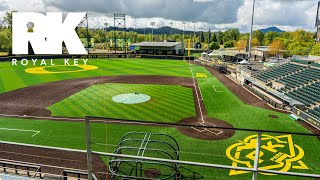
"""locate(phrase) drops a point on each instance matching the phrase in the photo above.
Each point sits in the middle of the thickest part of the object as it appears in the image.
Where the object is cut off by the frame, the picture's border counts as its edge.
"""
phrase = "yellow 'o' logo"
(276, 153)
(42, 69)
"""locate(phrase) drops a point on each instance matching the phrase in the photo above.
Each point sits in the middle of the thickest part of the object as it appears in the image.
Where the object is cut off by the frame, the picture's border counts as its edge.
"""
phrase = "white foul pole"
(252, 18)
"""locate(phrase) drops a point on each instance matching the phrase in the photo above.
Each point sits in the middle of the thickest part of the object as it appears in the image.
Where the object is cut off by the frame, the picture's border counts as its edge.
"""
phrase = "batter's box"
(208, 130)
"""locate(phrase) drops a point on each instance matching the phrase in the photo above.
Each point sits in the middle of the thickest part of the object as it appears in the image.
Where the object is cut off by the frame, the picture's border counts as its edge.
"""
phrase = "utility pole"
(200, 33)
(318, 24)
(194, 31)
(106, 30)
(171, 30)
(152, 25)
(252, 18)
(209, 34)
(184, 28)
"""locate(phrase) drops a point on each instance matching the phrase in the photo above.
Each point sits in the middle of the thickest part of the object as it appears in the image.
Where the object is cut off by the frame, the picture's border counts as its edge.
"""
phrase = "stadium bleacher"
(301, 80)
(279, 71)
(308, 95)
(315, 112)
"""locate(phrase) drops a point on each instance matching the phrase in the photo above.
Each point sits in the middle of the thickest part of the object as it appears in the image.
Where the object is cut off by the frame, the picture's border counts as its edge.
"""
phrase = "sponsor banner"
(306, 117)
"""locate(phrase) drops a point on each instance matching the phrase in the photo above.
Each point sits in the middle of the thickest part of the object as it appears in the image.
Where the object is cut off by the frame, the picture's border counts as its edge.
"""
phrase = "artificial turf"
(15, 77)
(62, 68)
(222, 105)
(168, 103)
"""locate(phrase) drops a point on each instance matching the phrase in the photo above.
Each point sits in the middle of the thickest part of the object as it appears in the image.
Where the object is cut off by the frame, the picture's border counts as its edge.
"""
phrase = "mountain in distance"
(167, 30)
(160, 30)
(273, 29)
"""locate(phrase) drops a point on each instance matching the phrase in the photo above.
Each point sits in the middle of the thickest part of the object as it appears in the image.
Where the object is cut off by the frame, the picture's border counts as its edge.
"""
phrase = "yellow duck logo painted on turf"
(277, 153)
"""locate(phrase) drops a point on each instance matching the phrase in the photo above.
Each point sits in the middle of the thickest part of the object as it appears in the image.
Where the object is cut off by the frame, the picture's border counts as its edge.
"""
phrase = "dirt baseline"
(33, 100)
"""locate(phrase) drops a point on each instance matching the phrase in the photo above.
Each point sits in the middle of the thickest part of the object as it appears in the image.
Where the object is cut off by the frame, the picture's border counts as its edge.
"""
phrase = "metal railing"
(255, 170)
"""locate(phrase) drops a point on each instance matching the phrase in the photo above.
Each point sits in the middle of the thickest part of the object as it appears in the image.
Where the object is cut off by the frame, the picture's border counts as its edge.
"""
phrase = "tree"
(302, 35)
(299, 48)
(99, 36)
(276, 47)
(219, 36)
(214, 46)
(269, 37)
(245, 36)
(315, 50)
(6, 40)
(259, 35)
(8, 19)
(240, 45)
(232, 34)
(228, 44)
(286, 35)
(255, 42)
(213, 38)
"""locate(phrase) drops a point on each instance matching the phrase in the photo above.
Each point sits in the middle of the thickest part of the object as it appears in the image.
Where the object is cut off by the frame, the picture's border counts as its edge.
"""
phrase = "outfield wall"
(96, 56)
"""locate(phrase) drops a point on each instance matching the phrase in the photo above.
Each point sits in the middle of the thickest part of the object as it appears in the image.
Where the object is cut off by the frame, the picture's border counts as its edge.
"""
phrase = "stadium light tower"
(200, 28)
(171, 28)
(152, 25)
(318, 23)
(184, 28)
(252, 18)
(106, 30)
(194, 30)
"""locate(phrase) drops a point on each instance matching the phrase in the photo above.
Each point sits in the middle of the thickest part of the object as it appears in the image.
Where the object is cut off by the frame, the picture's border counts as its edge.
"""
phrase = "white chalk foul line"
(22, 130)
(198, 99)
(205, 129)
(216, 89)
(200, 94)
(218, 131)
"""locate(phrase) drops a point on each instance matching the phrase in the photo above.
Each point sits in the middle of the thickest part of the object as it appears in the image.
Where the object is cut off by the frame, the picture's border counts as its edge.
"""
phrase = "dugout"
(158, 48)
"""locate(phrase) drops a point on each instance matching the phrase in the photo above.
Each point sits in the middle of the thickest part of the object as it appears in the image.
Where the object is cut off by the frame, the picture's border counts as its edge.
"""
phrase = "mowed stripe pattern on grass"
(15, 77)
(168, 103)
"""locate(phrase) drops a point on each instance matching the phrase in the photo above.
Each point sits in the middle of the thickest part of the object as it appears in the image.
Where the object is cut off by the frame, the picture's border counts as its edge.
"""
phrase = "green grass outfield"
(15, 77)
(222, 105)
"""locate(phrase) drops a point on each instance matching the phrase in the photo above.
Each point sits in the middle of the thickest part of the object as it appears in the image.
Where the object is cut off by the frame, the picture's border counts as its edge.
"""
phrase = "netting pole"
(89, 151)
(257, 157)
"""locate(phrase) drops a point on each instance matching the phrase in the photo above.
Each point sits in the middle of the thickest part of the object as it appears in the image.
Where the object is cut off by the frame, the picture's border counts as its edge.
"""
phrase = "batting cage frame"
(141, 144)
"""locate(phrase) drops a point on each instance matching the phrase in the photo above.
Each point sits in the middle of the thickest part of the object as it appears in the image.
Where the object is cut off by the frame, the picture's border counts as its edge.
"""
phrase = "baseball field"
(177, 91)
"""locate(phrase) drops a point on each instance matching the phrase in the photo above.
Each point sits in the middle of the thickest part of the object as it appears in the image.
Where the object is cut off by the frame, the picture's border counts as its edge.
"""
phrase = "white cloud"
(210, 14)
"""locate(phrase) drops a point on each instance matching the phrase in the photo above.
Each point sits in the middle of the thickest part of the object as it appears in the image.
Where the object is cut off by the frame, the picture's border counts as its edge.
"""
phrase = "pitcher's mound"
(206, 133)
(131, 98)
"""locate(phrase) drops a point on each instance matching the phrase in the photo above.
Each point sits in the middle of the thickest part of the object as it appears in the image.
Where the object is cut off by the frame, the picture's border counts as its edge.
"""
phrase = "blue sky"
(210, 14)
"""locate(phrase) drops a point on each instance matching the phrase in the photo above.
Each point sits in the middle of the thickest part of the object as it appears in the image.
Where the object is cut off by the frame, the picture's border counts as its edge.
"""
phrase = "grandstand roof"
(156, 44)
(274, 92)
